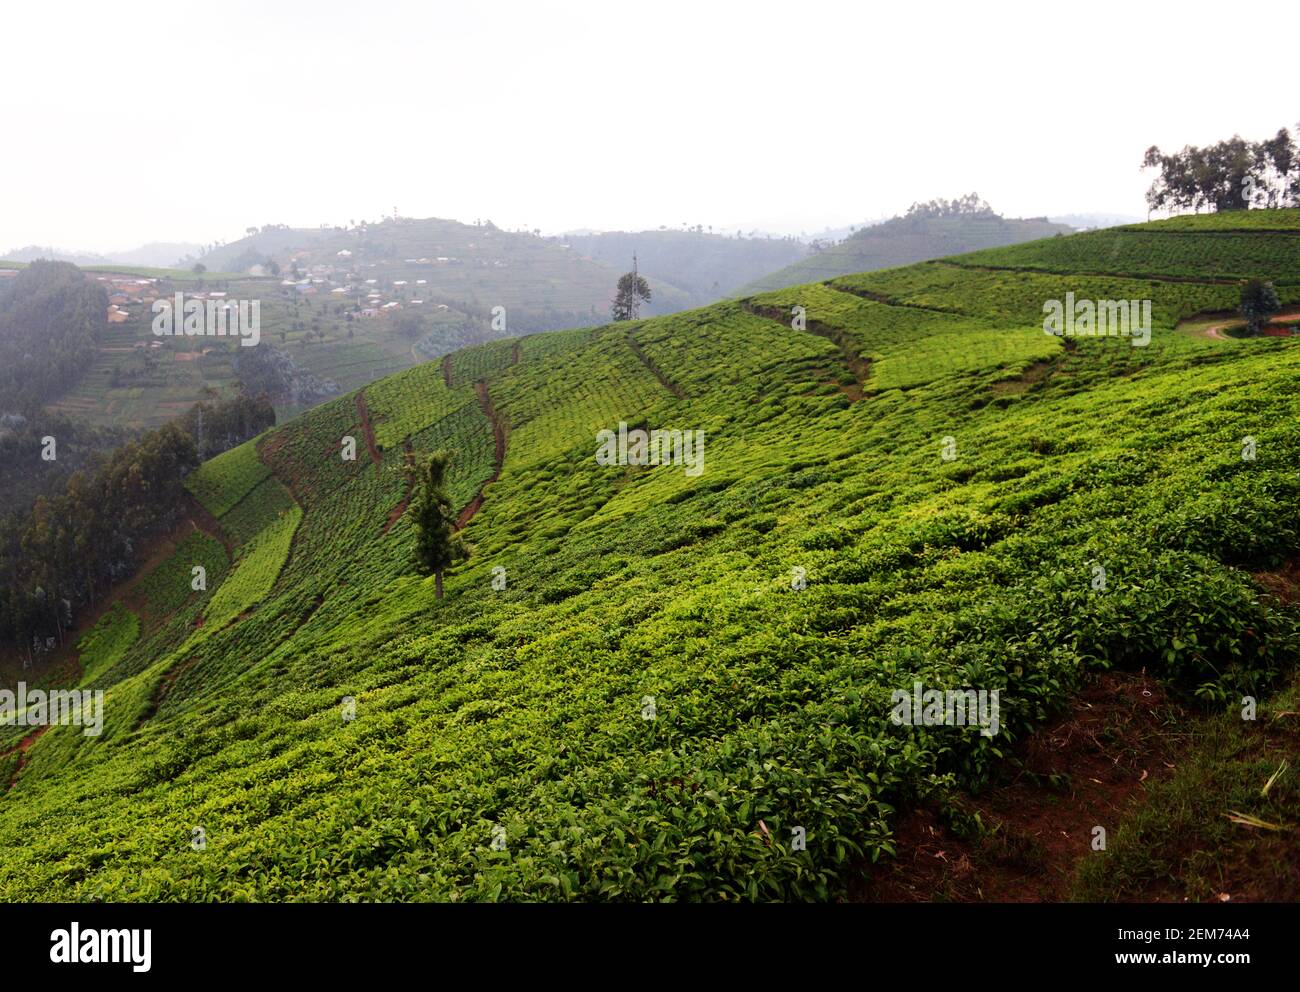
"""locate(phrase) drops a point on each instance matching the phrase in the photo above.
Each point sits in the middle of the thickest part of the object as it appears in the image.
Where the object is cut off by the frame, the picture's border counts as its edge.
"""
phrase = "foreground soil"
(1076, 773)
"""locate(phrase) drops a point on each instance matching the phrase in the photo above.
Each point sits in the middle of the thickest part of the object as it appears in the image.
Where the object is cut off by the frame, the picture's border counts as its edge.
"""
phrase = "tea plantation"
(644, 685)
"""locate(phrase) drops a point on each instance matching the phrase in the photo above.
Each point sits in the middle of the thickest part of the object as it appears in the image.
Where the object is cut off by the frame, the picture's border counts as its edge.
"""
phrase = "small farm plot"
(406, 403)
(167, 589)
(103, 646)
(221, 482)
(256, 511)
(255, 572)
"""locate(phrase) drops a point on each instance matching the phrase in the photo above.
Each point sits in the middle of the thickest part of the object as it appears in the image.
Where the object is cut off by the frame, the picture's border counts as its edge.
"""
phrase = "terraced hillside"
(645, 684)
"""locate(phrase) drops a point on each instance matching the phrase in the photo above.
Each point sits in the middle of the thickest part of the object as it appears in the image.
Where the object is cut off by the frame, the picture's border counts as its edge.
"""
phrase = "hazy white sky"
(127, 122)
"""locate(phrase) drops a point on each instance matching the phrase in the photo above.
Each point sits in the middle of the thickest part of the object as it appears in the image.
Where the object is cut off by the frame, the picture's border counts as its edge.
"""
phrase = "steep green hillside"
(904, 240)
(682, 674)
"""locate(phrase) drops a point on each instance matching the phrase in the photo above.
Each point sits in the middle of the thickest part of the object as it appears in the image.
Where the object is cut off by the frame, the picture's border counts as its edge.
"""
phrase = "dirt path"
(648, 362)
(363, 412)
(867, 294)
(158, 550)
(163, 687)
(854, 362)
(1215, 331)
(499, 458)
(446, 370)
(202, 520)
(396, 513)
(1132, 276)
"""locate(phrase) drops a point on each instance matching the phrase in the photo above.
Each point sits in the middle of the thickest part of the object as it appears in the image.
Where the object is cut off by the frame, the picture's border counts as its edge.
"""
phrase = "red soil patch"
(1272, 330)
(1080, 771)
(1283, 583)
(22, 747)
(364, 412)
(201, 519)
(499, 458)
(396, 513)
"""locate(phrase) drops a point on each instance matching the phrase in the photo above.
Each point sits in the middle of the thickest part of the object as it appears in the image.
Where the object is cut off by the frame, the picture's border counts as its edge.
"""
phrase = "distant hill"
(30, 253)
(156, 254)
(704, 266)
(931, 230)
(468, 267)
(1088, 222)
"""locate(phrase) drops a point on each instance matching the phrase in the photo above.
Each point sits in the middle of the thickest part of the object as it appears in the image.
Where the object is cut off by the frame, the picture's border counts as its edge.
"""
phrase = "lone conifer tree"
(437, 545)
(633, 290)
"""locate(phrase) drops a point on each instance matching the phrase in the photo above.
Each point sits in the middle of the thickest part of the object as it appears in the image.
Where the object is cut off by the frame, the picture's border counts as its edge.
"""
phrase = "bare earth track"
(498, 459)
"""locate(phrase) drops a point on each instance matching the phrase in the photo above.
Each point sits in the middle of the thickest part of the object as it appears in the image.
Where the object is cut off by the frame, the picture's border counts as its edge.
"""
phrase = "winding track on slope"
(400, 509)
(499, 456)
(368, 429)
(655, 370)
(1215, 331)
(853, 360)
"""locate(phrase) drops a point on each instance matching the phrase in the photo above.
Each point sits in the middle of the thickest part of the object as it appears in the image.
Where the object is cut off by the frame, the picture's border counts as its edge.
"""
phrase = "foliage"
(631, 292)
(1259, 301)
(105, 643)
(437, 546)
(522, 706)
(1229, 175)
(223, 481)
(256, 570)
(51, 319)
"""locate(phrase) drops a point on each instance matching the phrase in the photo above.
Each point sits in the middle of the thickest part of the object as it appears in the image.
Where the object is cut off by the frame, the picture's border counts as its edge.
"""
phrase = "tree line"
(70, 549)
(1230, 175)
(51, 320)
